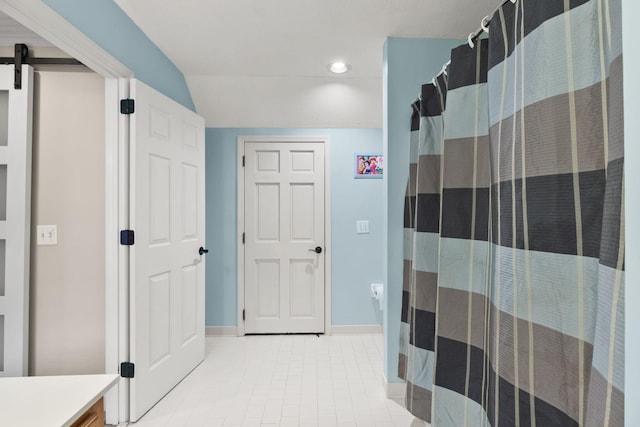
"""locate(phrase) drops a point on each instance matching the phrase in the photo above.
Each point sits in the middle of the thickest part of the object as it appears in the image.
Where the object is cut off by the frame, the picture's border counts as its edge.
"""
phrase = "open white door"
(16, 107)
(167, 272)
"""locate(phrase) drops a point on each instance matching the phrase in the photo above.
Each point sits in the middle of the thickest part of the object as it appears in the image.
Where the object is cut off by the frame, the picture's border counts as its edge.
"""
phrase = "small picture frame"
(368, 165)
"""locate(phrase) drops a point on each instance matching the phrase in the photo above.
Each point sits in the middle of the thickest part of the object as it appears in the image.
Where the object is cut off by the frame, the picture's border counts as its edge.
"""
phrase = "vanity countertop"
(55, 401)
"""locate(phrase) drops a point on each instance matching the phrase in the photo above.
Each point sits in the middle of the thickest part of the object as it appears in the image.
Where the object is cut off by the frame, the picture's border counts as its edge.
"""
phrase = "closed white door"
(167, 272)
(15, 219)
(284, 237)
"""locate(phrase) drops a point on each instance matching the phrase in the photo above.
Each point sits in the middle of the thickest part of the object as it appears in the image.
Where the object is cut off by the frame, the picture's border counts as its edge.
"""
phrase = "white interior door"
(284, 224)
(15, 219)
(167, 208)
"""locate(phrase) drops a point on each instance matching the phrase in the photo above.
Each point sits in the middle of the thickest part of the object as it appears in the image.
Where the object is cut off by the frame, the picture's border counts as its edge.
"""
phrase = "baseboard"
(232, 331)
(221, 331)
(394, 390)
(355, 329)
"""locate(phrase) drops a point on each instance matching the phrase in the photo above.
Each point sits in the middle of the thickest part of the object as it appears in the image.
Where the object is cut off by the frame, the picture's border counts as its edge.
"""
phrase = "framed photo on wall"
(368, 165)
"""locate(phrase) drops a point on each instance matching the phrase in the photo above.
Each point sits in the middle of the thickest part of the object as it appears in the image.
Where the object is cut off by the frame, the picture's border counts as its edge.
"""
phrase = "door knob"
(203, 251)
(317, 250)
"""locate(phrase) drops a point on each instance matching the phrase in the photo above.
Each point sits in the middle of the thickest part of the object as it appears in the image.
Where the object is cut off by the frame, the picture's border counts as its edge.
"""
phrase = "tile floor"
(284, 380)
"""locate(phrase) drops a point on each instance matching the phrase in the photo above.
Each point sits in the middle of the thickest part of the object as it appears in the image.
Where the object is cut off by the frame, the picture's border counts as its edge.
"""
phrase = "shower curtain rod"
(484, 23)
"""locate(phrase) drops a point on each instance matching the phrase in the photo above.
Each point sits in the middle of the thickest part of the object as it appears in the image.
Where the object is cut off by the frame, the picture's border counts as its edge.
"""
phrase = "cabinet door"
(94, 417)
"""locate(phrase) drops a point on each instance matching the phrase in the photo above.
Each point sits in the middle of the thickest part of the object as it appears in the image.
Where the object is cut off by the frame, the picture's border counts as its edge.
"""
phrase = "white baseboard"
(232, 331)
(221, 331)
(394, 390)
(355, 329)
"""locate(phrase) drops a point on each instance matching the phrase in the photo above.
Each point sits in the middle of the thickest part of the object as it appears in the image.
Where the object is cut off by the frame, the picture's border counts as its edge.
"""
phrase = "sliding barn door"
(15, 219)
(167, 272)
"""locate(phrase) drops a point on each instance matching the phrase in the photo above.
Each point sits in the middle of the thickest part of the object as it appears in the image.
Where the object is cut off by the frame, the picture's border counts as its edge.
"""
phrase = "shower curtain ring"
(470, 40)
(484, 24)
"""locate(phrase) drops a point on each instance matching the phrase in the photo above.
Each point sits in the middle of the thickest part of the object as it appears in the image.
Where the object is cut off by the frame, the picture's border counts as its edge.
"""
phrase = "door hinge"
(127, 237)
(243, 315)
(127, 370)
(127, 106)
(243, 160)
(243, 237)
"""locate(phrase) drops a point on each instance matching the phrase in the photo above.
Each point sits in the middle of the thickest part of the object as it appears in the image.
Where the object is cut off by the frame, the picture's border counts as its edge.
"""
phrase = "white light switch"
(362, 227)
(47, 235)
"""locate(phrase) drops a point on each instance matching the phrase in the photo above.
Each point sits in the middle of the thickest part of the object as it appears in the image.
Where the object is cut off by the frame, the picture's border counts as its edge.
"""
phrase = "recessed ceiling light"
(339, 67)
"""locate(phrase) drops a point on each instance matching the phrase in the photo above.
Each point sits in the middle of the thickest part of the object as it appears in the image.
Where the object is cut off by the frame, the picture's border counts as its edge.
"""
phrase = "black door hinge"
(127, 237)
(127, 370)
(243, 317)
(243, 160)
(243, 237)
(127, 106)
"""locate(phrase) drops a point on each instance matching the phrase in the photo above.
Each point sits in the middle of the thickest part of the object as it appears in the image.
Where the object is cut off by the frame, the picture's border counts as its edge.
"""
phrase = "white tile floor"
(289, 380)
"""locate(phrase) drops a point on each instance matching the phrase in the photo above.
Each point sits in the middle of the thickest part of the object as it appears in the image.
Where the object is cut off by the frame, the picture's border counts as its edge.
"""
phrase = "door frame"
(40, 18)
(241, 214)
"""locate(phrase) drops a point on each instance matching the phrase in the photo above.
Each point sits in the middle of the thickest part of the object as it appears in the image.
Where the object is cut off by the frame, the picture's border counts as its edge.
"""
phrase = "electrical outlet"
(47, 235)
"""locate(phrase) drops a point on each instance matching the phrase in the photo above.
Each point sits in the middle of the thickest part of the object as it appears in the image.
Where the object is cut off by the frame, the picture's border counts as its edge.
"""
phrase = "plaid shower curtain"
(513, 299)
(421, 234)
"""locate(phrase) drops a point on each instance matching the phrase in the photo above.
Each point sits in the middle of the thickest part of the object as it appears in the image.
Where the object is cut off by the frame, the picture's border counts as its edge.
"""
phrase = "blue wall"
(108, 26)
(408, 63)
(356, 258)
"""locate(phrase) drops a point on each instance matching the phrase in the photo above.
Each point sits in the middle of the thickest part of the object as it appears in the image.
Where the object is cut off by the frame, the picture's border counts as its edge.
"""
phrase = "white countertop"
(55, 401)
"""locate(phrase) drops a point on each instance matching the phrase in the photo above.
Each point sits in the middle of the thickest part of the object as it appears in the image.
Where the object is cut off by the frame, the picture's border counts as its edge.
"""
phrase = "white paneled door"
(15, 218)
(284, 285)
(167, 270)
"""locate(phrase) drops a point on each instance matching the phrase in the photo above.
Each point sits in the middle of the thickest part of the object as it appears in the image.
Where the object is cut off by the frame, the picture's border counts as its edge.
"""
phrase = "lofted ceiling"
(263, 63)
(294, 37)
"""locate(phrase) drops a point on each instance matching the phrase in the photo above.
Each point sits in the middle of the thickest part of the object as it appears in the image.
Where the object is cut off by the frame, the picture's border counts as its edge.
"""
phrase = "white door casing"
(16, 107)
(167, 273)
(284, 221)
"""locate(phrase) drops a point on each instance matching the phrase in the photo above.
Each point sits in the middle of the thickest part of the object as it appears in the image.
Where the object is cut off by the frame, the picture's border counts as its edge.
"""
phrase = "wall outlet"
(47, 235)
(362, 227)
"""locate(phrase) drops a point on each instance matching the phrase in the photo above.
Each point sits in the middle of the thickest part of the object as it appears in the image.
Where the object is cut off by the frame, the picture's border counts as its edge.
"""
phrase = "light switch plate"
(362, 227)
(47, 235)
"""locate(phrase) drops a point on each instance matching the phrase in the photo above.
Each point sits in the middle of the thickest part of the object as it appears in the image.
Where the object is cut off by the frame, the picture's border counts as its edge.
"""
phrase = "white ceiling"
(262, 63)
(294, 37)
(12, 32)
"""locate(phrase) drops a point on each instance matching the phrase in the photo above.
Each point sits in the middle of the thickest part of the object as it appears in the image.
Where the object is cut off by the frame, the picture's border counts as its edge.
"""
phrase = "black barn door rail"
(22, 57)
